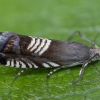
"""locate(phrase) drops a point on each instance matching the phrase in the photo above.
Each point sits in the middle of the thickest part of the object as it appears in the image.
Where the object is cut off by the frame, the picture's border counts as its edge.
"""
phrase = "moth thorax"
(94, 51)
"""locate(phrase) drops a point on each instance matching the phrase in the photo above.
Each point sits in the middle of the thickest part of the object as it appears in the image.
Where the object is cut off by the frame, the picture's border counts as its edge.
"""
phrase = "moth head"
(96, 53)
(97, 49)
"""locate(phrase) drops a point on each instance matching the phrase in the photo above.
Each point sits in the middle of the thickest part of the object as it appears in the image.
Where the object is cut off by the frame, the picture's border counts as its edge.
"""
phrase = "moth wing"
(29, 62)
(67, 53)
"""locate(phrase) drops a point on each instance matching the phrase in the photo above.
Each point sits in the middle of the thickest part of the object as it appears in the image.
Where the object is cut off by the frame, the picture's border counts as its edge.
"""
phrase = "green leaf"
(54, 19)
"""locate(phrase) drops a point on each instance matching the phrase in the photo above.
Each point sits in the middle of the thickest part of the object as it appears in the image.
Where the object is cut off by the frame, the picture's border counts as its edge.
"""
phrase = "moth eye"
(95, 58)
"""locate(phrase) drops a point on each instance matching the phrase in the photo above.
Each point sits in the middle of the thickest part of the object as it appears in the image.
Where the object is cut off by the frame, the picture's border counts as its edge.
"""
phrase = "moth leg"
(94, 58)
(18, 74)
(78, 32)
(11, 85)
(53, 71)
(81, 73)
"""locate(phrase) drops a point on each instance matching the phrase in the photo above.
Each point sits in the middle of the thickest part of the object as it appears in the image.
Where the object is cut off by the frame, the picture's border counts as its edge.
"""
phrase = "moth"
(22, 51)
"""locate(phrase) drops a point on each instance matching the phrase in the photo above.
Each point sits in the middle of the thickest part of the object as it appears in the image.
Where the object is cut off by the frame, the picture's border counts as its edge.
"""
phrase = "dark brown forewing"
(67, 53)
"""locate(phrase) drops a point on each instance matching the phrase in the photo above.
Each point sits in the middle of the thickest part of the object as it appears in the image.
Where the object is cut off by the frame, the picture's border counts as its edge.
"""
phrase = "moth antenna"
(83, 37)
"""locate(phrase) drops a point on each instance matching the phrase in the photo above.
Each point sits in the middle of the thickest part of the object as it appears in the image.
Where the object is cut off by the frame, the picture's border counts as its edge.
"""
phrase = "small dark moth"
(31, 52)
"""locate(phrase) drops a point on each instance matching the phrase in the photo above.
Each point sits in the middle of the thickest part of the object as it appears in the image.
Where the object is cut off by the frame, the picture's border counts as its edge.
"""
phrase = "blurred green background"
(54, 19)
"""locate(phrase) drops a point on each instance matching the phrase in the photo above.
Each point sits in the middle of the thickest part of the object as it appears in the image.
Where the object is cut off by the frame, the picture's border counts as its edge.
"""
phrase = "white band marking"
(35, 46)
(12, 63)
(53, 64)
(8, 63)
(30, 66)
(46, 65)
(32, 42)
(23, 65)
(17, 64)
(42, 44)
(45, 47)
(35, 66)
